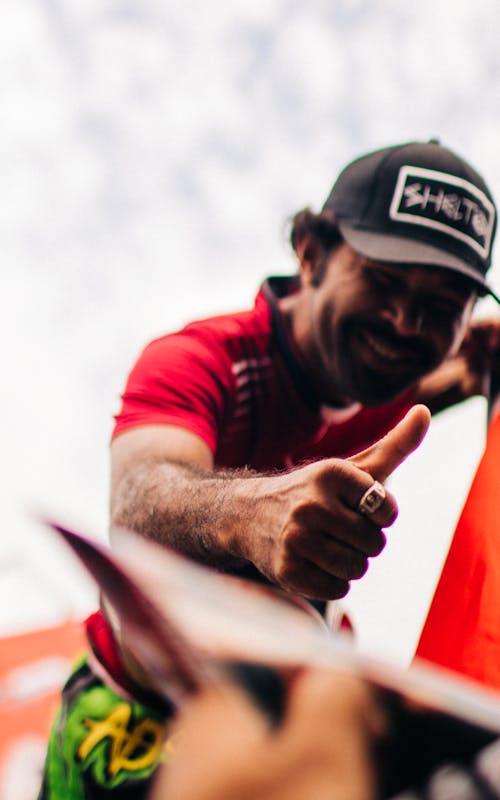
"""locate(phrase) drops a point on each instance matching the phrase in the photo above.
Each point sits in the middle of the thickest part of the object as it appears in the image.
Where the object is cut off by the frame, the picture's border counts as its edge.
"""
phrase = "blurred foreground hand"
(225, 749)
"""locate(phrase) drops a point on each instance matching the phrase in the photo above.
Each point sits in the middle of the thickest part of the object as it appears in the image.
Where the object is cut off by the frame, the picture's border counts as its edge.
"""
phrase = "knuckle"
(286, 569)
(297, 538)
(380, 543)
(305, 513)
(333, 470)
(329, 589)
(293, 575)
(352, 566)
(376, 543)
(391, 515)
(339, 588)
(390, 509)
(359, 568)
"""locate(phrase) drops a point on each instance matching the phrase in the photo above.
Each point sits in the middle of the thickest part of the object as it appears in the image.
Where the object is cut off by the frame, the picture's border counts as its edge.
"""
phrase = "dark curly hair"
(322, 226)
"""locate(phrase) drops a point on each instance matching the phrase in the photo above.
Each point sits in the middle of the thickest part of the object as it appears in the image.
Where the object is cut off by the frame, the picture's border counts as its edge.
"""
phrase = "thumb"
(382, 458)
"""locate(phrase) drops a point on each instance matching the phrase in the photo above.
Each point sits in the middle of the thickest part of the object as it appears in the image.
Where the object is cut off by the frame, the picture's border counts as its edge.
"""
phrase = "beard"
(375, 365)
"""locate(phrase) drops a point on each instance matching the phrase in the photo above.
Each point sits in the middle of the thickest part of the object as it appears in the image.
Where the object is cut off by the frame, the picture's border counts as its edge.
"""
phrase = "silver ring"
(372, 499)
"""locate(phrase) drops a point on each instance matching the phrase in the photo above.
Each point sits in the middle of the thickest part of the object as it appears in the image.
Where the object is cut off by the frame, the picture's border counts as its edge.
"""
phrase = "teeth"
(382, 349)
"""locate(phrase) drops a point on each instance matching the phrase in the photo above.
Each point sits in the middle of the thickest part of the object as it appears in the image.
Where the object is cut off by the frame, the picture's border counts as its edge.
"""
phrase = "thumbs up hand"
(308, 533)
(382, 458)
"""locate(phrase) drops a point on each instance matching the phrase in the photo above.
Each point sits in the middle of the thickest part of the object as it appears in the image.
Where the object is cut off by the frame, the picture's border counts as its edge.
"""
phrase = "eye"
(383, 280)
(445, 307)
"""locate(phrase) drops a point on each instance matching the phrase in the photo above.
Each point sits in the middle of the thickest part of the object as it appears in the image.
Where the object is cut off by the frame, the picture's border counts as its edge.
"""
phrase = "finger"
(337, 702)
(344, 485)
(241, 729)
(333, 697)
(310, 535)
(339, 559)
(382, 458)
(364, 533)
(302, 576)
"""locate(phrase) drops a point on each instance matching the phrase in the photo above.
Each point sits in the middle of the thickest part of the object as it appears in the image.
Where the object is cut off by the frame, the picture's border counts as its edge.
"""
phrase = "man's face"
(375, 329)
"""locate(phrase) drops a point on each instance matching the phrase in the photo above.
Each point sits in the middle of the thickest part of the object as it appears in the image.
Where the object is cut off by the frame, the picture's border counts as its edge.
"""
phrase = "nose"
(407, 316)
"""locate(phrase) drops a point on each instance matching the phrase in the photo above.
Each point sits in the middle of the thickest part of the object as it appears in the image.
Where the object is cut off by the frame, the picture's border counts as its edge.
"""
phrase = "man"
(259, 442)
(323, 366)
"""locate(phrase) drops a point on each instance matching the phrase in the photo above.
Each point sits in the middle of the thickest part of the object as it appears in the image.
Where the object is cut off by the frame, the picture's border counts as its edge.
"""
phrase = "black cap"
(417, 203)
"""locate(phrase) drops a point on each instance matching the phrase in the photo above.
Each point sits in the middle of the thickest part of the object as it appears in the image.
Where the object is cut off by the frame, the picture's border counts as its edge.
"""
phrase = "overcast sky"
(151, 153)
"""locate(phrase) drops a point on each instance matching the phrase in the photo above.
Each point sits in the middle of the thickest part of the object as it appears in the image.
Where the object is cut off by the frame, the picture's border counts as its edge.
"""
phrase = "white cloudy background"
(150, 154)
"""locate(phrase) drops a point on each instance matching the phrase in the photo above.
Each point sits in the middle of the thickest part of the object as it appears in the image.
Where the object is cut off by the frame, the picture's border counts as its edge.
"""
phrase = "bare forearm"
(300, 529)
(449, 384)
(197, 512)
(466, 374)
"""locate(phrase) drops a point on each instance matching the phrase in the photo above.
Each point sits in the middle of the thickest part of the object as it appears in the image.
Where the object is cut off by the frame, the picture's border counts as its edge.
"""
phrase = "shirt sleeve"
(180, 379)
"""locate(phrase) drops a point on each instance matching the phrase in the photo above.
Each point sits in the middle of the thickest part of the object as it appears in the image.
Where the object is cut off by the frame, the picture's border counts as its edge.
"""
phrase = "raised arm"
(163, 485)
(301, 529)
(466, 374)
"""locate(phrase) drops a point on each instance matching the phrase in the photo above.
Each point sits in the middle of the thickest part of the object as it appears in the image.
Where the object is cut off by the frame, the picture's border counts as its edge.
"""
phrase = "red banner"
(33, 668)
(462, 629)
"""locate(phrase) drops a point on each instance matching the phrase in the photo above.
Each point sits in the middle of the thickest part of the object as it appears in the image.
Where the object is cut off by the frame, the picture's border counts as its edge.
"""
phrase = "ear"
(310, 255)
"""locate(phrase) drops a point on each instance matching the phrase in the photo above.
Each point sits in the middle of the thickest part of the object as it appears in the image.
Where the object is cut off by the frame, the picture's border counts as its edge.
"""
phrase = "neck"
(296, 317)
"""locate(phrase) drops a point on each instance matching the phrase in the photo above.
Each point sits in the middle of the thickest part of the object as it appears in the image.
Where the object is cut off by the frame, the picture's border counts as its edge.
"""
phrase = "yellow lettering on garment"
(131, 750)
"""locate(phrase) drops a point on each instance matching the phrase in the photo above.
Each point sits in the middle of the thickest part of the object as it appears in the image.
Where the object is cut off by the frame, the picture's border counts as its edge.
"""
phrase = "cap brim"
(399, 249)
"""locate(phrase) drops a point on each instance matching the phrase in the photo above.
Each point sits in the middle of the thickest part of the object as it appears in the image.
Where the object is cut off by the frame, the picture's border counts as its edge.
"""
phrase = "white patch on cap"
(444, 203)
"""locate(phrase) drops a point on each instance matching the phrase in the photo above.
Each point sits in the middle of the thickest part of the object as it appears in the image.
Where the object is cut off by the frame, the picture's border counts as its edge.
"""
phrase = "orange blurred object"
(462, 629)
(33, 669)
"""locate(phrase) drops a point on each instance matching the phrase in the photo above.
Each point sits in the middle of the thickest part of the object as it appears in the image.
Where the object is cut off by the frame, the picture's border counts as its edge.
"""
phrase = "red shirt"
(235, 381)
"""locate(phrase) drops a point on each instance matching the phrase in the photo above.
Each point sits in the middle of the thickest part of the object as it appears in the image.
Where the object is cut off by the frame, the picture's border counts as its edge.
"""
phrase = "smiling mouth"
(383, 352)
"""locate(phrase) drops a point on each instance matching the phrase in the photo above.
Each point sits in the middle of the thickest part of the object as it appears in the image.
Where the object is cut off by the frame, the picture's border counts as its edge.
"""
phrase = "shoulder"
(230, 336)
